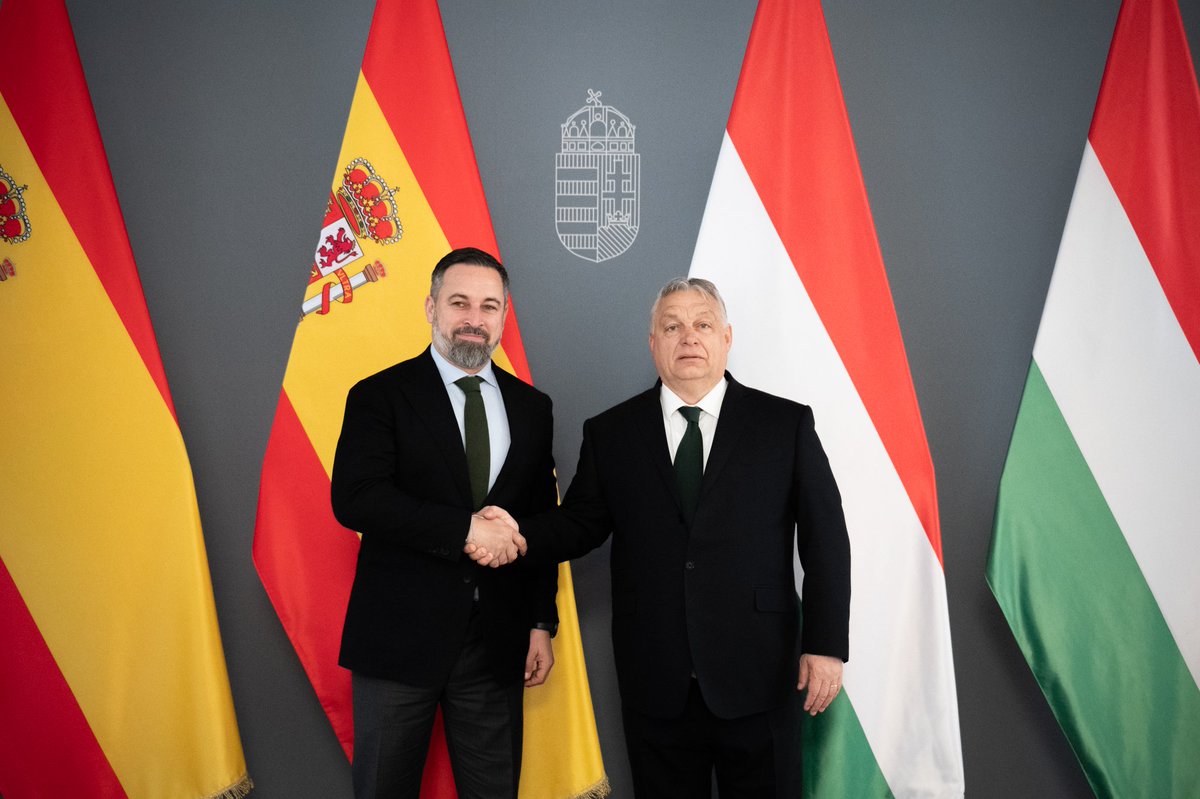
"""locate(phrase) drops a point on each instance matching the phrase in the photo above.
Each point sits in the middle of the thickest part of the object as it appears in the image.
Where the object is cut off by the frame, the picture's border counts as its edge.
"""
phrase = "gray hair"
(706, 288)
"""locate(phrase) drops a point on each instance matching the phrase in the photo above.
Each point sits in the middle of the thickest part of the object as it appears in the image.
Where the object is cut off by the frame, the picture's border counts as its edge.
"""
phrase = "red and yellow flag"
(112, 677)
(405, 192)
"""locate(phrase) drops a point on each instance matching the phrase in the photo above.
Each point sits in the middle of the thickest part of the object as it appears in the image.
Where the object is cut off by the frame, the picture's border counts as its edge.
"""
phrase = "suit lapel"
(730, 425)
(652, 434)
(427, 393)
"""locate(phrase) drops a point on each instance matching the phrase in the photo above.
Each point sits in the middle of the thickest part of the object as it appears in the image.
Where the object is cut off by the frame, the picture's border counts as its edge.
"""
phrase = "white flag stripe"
(1128, 384)
(899, 634)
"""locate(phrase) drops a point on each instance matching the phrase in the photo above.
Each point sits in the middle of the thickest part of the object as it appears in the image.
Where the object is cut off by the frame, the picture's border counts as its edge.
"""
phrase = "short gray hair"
(705, 288)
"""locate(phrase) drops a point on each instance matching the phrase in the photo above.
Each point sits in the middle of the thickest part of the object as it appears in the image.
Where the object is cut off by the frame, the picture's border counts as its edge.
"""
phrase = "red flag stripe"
(407, 65)
(788, 89)
(65, 141)
(306, 561)
(47, 748)
(1146, 133)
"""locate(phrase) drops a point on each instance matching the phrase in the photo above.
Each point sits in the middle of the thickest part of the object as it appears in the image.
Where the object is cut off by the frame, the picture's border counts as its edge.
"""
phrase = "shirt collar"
(450, 372)
(710, 403)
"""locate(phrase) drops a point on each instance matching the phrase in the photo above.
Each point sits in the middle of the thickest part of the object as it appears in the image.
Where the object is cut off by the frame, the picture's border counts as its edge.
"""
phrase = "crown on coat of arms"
(14, 224)
(368, 204)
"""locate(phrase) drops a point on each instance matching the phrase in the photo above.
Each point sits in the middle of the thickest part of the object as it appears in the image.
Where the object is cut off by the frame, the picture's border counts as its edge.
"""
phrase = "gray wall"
(223, 120)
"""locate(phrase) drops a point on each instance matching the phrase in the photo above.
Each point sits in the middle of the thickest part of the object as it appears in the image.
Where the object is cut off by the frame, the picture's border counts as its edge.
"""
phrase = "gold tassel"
(239, 790)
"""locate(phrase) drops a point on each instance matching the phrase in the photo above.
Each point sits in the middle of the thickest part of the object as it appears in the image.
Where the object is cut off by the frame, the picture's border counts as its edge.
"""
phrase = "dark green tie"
(689, 461)
(479, 449)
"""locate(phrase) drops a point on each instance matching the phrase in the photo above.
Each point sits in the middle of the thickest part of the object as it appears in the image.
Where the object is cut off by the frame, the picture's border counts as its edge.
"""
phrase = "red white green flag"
(112, 676)
(405, 192)
(788, 238)
(1095, 557)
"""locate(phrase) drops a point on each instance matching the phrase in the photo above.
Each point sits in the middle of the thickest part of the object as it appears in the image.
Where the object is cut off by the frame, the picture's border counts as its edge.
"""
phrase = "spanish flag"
(405, 192)
(112, 677)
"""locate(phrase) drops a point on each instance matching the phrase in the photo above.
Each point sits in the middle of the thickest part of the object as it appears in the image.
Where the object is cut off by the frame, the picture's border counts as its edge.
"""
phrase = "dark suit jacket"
(718, 597)
(400, 478)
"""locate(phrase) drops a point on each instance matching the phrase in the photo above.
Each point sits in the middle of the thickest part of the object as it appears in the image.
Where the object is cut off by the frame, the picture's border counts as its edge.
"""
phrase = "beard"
(469, 356)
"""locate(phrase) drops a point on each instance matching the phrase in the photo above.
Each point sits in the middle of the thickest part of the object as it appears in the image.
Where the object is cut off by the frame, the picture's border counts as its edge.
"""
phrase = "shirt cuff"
(548, 627)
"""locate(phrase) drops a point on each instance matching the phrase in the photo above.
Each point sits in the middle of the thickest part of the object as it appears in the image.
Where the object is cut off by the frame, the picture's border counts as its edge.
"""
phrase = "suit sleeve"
(824, 548)
(542, 584)
(581, 523)
(364, 490)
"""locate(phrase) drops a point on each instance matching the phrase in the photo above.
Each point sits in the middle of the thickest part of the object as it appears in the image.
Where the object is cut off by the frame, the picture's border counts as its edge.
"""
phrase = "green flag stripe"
(1084, 616)
(838, 761)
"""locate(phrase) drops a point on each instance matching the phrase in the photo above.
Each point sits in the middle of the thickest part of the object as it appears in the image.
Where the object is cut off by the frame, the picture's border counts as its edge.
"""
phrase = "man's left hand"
(540, 659)
(822, 676)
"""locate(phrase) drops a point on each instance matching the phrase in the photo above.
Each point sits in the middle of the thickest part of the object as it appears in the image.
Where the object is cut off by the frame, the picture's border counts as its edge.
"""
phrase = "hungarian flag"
(1095, 558)
(787, 237)
(112, 677)
(405, 192)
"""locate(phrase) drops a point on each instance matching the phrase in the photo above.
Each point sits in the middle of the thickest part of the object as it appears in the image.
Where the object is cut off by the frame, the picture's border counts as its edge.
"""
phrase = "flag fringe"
(239, 790)
(598, 791)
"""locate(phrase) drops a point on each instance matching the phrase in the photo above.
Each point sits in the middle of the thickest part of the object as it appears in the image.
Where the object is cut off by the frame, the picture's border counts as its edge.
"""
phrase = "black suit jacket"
(400, 478)
(716, 598)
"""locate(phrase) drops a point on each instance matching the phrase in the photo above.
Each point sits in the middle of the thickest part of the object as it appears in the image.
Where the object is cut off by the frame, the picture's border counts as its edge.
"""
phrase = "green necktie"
(479, 449)
(689, 461)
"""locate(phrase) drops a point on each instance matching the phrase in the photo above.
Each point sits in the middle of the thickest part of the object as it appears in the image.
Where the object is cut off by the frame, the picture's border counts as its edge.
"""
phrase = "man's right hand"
(493, 542)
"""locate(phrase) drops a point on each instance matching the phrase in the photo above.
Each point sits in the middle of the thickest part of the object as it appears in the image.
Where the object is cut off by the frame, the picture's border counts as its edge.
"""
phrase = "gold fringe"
(239, 790)
(597, 791)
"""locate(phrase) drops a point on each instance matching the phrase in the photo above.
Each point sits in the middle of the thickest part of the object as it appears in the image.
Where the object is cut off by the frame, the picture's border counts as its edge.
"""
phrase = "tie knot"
(469, 385)
(692, 414)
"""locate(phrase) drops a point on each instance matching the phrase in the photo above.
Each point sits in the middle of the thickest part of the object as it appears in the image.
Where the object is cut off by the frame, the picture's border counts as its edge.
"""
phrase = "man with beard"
(425, 444)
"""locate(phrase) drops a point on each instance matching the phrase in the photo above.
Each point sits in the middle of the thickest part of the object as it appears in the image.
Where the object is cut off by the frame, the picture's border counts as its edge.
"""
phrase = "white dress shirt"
(676, 424)
(499, 437)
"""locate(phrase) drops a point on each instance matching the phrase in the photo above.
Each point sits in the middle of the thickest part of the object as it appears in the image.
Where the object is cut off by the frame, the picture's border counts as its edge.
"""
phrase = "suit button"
(468, 579)
(689, 565)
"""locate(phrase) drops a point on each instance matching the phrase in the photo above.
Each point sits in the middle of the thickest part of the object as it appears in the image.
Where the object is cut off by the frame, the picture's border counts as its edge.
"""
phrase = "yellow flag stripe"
(560, 726)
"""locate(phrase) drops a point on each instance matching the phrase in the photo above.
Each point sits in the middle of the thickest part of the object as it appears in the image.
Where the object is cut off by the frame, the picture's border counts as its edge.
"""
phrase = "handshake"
(494, 538)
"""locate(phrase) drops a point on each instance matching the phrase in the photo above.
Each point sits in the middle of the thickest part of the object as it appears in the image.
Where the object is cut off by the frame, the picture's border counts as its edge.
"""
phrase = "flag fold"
(1094, 553)
(112, 675)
